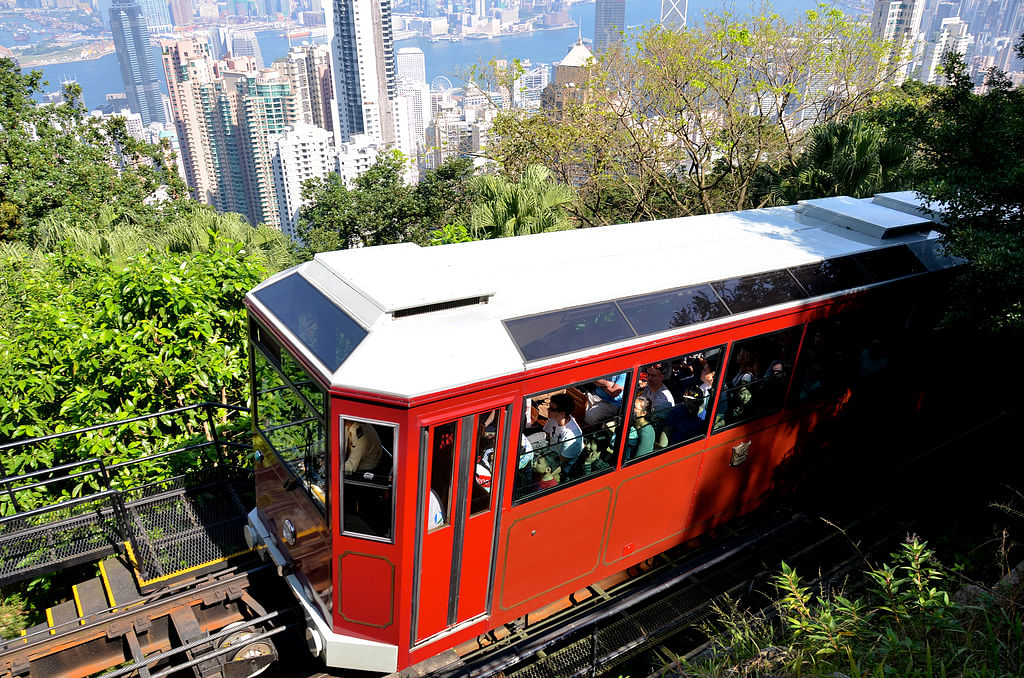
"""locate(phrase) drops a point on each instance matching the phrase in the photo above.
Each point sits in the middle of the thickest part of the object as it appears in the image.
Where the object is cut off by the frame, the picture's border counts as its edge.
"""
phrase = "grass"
(914, 618)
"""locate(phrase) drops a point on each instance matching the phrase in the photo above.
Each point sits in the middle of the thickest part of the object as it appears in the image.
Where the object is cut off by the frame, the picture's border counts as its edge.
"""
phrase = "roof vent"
(863, 216)
(441, 306)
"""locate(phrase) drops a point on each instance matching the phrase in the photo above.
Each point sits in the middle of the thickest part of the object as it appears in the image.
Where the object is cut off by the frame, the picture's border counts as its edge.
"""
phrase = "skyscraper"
(673, 14)
(308, 69)
(898, 22)
(412, 64)
(244, 43)
(609, 22)
(363, 59)
(225, 113)
(135, 57)
(157, 15)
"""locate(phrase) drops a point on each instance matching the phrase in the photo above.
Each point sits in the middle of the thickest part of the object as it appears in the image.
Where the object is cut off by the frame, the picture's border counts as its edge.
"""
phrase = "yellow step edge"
(106, 586)
(49, 620)
(78, 604)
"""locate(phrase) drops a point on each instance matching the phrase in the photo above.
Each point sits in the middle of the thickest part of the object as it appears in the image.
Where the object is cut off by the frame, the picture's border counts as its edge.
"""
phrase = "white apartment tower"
(412, 64)
(301, 152)
(952, 36)
(899, 22)
(363, 61)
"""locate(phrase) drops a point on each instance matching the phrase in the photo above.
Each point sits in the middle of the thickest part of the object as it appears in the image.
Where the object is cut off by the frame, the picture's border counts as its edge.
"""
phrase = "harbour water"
(100, 76)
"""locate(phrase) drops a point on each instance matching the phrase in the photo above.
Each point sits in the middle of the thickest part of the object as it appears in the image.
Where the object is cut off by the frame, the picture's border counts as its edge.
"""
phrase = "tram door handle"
(290, 483)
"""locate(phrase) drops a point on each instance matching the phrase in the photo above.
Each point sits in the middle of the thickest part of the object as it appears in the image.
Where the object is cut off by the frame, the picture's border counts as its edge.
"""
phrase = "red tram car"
(449, 438)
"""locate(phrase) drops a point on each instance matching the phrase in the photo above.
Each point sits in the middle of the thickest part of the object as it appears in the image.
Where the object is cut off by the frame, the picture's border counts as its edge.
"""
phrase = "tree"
(852, 157)
(56, 161)
(446, 194)
(681, 122)
(534, 204)
(972, 147)
(379, 209)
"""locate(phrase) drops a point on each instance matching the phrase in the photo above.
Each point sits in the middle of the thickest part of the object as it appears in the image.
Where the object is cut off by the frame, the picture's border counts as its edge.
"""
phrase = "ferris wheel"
(440, 84)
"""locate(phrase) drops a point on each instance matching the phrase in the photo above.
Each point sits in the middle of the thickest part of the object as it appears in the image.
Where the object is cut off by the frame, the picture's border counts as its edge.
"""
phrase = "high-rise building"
(952, 36)
(244, 43)
(412, 64)
(898, 22)
(225, 113)
(300, 152)
(181, 12)
(570, 85)
(363, 59)
(609, 22)
(673, 14)
(157, 15)
(135, 57)
(308, 69)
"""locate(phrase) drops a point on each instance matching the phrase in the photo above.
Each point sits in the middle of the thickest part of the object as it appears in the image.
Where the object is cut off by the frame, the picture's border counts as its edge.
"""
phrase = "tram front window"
(367, 477)
(290, 415)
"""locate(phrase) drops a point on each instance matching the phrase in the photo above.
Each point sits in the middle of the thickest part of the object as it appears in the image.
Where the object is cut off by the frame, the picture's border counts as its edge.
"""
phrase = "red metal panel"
(653, 506)
(559, 543)
(366, 573)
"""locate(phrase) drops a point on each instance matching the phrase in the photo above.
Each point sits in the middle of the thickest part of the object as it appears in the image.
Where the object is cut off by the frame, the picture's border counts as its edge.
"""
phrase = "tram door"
(459, 493)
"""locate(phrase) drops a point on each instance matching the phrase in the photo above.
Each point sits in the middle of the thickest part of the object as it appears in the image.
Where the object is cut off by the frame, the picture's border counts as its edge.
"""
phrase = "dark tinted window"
(758, 374)
(830, 276)
(756, 291)
(675, 308)
(889, 263)
(541, 336)
(327, 331)
(932, 255)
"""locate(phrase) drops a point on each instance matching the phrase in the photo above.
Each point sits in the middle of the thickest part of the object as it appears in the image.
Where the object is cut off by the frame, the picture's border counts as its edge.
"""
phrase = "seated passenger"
(546, 471)
(362, 447)
(597, 449)
(656, 392)
(606, 400)
(564, 435)
(684, 422)
(707, 388)
(640, 439)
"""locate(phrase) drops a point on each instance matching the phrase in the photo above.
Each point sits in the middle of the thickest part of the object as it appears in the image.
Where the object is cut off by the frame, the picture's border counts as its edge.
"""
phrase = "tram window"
(675, 308)
(672, 403)
(757, 291)
(827, 360)
(293, 425)
(484, 447)
(442, 459)
(542, 336)
(327, 331)
(755, 383)
(890, 263)
(570, 434)
(367, 477)
(831, 275)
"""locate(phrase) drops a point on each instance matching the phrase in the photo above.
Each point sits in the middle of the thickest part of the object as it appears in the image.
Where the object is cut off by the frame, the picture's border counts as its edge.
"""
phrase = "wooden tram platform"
(164, 527)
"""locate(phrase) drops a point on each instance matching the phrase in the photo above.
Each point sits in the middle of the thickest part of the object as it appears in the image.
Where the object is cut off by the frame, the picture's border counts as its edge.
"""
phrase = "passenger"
(747, 365)
(640, 439)
(656, 391)
(546, 471)
(435, 514)
(707, 388)
(606, 400)
(597, 448)
(684, 422)
(564, 435)
(362, 447)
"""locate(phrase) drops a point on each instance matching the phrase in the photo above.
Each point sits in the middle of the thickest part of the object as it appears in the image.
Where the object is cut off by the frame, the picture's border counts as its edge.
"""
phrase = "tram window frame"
(594, 440)
(362, 483)
(311, 466)
(760, 379)
(679, 405)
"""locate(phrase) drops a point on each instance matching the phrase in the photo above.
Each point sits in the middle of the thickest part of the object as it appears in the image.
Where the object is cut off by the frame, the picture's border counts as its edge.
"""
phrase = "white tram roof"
(404, 320)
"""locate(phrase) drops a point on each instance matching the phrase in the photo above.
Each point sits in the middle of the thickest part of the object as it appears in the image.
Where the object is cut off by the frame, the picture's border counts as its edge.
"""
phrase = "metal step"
(90, 598)
(59, 616)
(121, 586)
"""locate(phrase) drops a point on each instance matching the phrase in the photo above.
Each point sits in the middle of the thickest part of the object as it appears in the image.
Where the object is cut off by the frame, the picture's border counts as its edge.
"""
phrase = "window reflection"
(675, 308)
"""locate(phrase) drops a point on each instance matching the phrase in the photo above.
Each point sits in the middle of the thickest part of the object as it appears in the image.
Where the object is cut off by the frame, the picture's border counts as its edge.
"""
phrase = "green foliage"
(13, 616)
(57, 161)
(683, 122)
(380, 209)
(92, 342)
(907, 624)
(852, 157)
(534, 204)
(972, 147)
